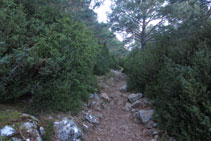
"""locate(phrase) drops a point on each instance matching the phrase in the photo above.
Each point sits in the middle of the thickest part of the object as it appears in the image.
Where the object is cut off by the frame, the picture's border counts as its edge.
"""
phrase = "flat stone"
(95, 105)
(94, 96)
(153, 132)
(145, 102)
(105, 97)
(91, 118)
(123, 89)
(128, 107)
(7, 131)
(136, 104)
(145, 115)
(149, 125)
(134, 97)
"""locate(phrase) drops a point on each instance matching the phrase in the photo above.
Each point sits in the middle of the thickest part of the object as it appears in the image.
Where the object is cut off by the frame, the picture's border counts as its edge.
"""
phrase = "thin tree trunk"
(143, 33)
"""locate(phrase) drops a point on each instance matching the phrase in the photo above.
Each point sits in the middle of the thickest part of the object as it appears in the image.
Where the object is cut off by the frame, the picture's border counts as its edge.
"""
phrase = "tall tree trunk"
(143, 33)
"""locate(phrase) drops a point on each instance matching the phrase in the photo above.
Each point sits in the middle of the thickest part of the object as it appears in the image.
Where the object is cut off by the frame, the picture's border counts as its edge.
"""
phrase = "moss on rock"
(9, 117)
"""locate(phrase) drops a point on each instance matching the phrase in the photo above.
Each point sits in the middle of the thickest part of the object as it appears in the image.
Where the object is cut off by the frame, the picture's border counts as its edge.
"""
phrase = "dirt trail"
(118, 124)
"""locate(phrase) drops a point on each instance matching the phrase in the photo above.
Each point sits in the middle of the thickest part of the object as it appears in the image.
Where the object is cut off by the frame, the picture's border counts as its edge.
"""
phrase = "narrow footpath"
(117, 124)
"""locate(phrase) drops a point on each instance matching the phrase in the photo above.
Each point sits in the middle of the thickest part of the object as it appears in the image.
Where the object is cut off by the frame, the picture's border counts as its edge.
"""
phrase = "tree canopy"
(173, 71)
(138, 18)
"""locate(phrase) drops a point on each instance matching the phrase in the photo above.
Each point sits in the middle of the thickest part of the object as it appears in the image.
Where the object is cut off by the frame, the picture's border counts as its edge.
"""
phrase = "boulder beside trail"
(123, 89)
(91, 118)
(32, 129)
(134, 97)
(19, 126)
(67, 130)
(7, 131)
(145, 115)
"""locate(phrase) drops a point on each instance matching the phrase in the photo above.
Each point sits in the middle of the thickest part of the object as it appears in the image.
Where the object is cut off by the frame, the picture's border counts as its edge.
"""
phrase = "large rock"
(145, 115)
(67, 130)
(123, 89)
(24, 125)
(134, 97)
(91, 118)
(32, 129)
(7, 131)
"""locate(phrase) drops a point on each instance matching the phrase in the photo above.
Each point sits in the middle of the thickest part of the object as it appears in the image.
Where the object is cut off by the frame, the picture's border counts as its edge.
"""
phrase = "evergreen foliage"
(45, 55)
(51, 50)
(137, 19)
(175, 73)
(105, 61)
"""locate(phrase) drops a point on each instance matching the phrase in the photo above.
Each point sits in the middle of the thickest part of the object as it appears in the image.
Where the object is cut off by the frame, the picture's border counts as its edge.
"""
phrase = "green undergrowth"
(10, 117)
(49, 131)
(45, 56)
(175, 73)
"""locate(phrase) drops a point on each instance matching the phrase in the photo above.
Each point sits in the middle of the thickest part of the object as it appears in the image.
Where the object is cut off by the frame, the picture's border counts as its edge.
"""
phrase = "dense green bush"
(142, 67)
(45, 56)
(105, 61)
(175, 74)
(114, 63)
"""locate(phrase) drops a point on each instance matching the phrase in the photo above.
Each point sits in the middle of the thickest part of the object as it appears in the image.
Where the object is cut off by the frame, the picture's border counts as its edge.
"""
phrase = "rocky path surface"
(117, 123)
(112, 115)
